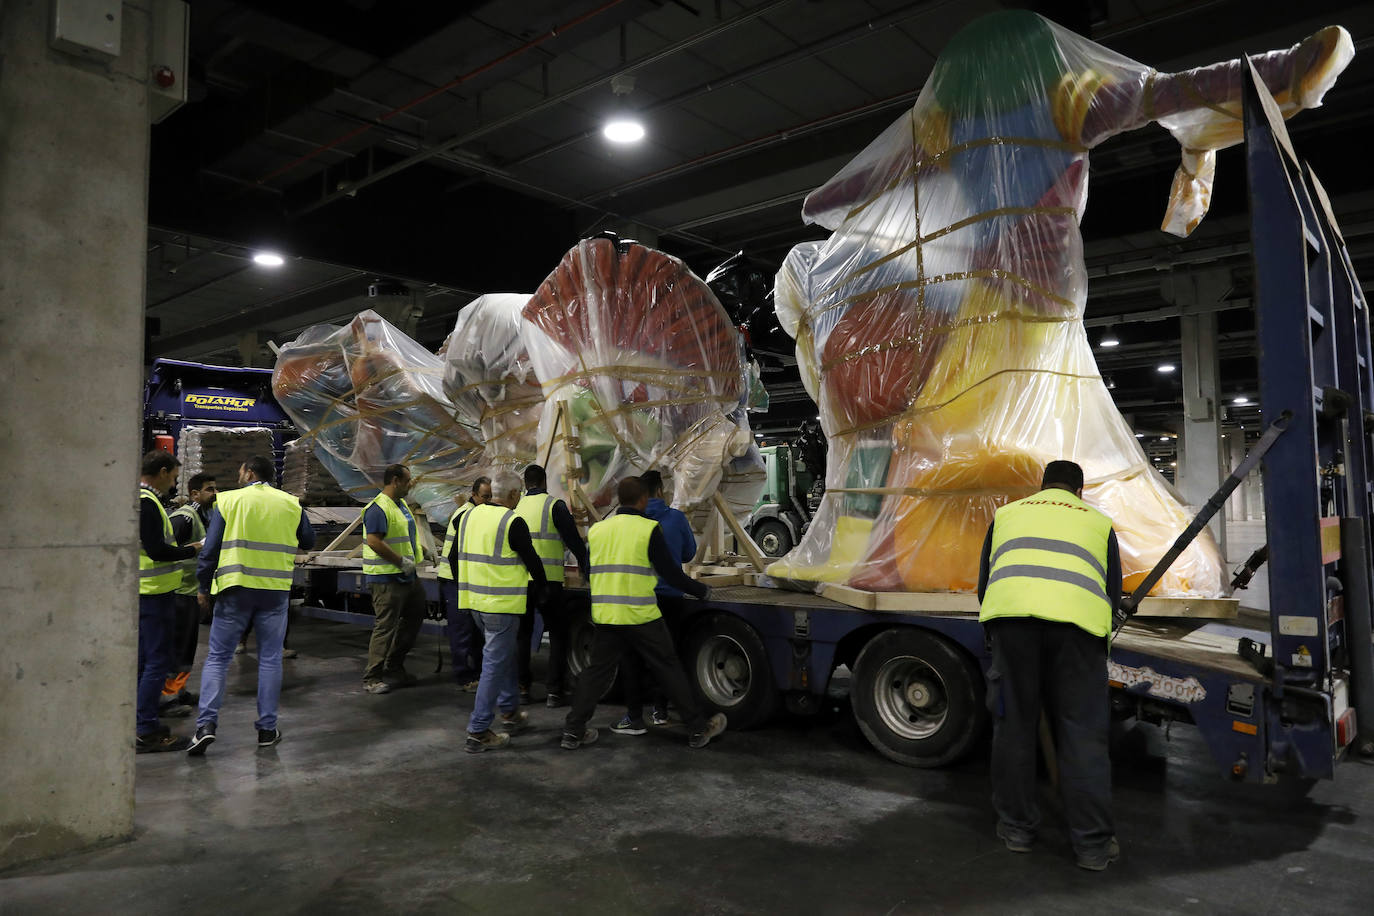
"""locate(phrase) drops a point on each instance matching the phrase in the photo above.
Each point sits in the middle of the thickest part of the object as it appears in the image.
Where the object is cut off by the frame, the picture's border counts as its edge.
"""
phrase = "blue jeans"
(497, 688)
(235, 609)
(464, 635)
(156, 620)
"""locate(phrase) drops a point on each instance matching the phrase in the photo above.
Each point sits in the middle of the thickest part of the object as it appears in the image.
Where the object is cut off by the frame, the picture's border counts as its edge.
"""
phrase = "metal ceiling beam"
(453, 143)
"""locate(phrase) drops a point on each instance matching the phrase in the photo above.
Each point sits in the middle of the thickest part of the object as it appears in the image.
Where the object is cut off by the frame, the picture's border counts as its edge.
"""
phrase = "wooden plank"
(746, 543)
(1201, 608)
(967, 603)
(1331, 539)
(721, 580)
(353, 526)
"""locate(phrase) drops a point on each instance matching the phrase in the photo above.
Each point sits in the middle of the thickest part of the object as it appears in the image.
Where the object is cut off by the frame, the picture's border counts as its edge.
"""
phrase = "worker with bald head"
(628, 557)
(495, 567)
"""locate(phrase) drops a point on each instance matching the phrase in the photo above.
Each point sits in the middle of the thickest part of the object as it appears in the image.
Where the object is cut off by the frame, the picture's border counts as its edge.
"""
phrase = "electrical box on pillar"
(167, 58)
(86, 28)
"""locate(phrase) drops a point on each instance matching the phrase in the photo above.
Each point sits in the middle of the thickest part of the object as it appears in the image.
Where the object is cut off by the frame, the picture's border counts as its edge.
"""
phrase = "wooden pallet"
(967, 603)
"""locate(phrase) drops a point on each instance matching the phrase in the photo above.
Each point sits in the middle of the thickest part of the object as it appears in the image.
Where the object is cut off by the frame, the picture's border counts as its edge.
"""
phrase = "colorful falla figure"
(940, 326)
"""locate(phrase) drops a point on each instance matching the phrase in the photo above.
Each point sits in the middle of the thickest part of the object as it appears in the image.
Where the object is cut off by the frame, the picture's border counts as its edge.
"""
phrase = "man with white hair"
(494, 561)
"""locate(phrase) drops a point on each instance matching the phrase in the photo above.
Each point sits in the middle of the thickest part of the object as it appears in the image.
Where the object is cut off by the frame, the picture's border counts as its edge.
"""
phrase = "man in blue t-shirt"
(682, 544)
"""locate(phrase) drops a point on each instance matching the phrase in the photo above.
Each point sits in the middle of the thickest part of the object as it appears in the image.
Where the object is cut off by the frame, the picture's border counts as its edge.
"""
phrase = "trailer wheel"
(581, 631)
(728, 669)
(772, 537)
(917, 698)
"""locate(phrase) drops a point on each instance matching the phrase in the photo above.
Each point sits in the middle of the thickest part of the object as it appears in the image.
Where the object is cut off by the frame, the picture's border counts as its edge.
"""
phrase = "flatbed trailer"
(1274, 696)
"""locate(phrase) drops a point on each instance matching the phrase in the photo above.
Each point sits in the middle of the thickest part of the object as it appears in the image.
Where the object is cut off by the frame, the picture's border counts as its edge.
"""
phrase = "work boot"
(1098, 860)
(572, 742)
(159, 742)
(485, 741)
(1014, 839)
(513, 723)
(268, 736)
(714, 726)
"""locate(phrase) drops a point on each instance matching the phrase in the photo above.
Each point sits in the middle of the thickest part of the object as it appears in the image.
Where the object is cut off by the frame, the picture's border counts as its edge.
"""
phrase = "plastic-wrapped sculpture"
(369, 396)
(651, 371)
(940, 325)
(489, 378)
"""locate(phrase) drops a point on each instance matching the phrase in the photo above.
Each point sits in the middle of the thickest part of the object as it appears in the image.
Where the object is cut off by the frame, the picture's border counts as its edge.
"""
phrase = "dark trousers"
(400, 610)
(651, 642)
(555, 619)
(640, 685)
(1061, 667)
(156, 620)
(185, 634)
(464, 636)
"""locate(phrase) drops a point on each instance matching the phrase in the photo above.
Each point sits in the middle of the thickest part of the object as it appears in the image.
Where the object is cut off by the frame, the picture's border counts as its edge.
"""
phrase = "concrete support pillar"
(1199, 454)
(253, 351)
(73, 227)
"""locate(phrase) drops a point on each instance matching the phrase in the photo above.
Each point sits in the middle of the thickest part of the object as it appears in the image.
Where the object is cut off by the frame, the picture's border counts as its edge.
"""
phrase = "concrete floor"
(370, 805)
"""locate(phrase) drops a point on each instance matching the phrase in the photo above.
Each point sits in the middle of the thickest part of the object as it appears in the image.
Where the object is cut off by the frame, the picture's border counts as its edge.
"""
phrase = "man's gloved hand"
(408, 567)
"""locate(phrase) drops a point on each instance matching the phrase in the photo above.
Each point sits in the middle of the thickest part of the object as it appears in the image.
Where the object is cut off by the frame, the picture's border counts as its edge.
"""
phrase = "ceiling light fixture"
(1163, 438)
(268, 259)
(1165, 368)
(1109, 338)
(1240, 399)
(623, 126)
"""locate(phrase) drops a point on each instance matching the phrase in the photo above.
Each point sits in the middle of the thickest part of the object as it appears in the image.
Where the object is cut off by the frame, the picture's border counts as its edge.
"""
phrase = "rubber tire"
(776, 529)
(580, 631)
(760, 700)
(965, 714)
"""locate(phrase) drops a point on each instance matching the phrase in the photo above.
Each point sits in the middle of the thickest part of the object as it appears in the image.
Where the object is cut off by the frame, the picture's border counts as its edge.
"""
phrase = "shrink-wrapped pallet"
(367, 396)
(940, 326)
(489, 377)
(651, 371)
(220, 451)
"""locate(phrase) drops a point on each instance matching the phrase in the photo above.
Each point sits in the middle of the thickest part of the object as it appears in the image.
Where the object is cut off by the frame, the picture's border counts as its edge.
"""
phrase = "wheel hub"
(723, 671)
(910, 697)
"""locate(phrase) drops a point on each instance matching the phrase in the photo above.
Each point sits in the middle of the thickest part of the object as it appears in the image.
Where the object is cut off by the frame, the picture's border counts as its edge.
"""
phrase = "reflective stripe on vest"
(491, 578)
(537, 511)
(157, 578)
(1049, 560)
(189, 585)
(397, 538)
(622, 579)
(444, 570)
(260, 539)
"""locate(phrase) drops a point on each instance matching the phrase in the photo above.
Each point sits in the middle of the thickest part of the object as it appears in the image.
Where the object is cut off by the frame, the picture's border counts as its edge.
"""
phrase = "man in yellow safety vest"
(247, 564)
(390, 551)
(628, 557)
(158, 578)
(188, 527)
(553, 530)
(495, 566)
(464, 636)
(1049, 583)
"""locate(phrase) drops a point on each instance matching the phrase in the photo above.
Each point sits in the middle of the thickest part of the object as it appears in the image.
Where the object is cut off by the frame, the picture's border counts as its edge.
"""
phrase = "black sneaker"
(1099, 860)
(572, 742)
(1015, 840)
(175, 710)
(188, 697)
(205, 736)
(714, 726)
(268, 736)
(159, 742)
(628, 726)
(555, 701)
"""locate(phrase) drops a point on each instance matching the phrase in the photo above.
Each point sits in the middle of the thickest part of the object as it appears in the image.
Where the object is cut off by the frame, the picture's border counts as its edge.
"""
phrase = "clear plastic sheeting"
(490, 379)
(369, 396)
(940, 325)
(650, 371)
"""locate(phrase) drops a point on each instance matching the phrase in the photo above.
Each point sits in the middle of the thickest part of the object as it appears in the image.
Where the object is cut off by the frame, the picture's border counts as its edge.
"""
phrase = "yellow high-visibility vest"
(622, 578)
(189, 585)
(537, 511)
(445, 570)
(157, 578)
(397, 538)
(1049, 560)
(491, 577)
(260, 540)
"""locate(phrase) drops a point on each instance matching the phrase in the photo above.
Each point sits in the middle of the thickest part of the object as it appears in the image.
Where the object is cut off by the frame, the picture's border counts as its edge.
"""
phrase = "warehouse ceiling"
(456, 148)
